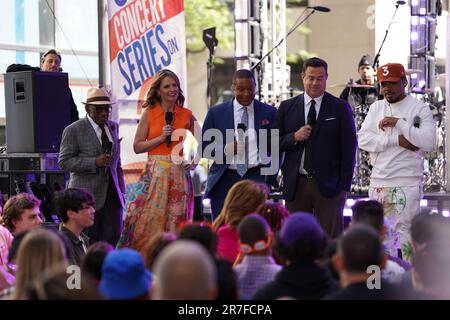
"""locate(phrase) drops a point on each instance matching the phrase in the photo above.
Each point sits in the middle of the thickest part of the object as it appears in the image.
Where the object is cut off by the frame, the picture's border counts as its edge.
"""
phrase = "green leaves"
(203, 14)
(407, 251)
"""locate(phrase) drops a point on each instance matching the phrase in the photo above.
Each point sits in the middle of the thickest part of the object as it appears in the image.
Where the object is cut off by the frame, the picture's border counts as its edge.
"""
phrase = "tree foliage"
(203, 14)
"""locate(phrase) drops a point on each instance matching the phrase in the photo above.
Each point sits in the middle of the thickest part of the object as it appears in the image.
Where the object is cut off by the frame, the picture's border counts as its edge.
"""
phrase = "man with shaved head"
(360, 251)
(185, 271)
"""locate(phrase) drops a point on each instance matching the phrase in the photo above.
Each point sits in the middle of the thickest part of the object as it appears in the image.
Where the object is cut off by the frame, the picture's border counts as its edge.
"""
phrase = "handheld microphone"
(107, 148)
(325, 9)
(310, 121)
(241, 129)
(416, 121)
(169, 118)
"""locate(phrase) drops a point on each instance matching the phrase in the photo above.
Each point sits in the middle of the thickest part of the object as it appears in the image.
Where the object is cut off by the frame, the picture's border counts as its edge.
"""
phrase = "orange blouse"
(156, 121)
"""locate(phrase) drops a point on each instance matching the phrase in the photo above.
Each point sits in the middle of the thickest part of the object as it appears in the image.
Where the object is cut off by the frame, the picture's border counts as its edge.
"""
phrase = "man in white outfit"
(395, 132)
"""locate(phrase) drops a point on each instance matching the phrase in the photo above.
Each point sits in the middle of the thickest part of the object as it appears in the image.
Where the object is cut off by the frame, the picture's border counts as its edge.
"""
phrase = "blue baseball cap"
(301, 226)
(124, 275)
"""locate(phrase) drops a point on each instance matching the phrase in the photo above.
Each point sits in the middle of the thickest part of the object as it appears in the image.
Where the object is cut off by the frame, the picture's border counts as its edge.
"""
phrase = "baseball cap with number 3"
(391, 72)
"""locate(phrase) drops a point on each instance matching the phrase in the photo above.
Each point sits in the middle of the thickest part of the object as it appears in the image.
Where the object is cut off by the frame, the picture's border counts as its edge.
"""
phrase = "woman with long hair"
(244, 197)
(163, 197)
(41, 250)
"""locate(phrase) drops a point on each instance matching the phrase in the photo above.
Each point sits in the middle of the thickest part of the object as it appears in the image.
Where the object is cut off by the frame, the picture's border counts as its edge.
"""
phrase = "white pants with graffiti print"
(400, 205)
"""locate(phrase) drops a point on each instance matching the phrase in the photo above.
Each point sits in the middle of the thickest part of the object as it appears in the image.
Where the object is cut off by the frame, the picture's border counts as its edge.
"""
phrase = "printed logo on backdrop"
(145, 37)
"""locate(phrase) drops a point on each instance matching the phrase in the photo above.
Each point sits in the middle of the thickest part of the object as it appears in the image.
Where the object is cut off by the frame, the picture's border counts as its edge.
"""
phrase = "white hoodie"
(394, 165)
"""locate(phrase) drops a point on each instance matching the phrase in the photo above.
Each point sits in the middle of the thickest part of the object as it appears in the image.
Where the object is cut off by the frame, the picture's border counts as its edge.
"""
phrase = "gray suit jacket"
(79, 148)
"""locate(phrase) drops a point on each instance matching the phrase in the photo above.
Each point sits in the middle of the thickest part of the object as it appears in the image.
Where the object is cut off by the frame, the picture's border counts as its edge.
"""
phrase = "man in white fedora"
(90, 151)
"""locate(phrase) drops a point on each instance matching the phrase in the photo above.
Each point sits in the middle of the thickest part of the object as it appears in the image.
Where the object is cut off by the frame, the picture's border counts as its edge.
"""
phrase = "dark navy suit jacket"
(221, 117)
(333, 139)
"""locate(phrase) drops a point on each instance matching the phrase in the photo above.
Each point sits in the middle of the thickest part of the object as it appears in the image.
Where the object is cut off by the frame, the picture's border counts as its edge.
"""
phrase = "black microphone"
(241, 129)
(107, 148)
(401, 2)
(416, 121)
(169, 119)
(325, 9)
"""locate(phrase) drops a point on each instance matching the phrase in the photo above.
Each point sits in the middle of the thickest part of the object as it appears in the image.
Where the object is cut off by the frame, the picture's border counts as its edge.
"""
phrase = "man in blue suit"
(318, 137)
(245, 155)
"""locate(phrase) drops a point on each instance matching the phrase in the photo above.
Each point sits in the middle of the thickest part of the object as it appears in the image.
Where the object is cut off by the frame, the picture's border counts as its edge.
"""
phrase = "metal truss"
(260, 25)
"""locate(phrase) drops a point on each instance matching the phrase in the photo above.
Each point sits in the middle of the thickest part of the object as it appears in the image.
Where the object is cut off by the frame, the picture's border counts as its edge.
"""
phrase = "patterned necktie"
(311, 120)
(104, 137)
(241, 168)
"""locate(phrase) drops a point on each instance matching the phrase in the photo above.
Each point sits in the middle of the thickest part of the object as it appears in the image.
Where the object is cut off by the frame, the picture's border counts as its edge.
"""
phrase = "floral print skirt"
(161, 200)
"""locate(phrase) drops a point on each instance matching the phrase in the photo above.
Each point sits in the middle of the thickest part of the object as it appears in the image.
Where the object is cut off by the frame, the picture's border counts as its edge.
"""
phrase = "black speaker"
(37, 110)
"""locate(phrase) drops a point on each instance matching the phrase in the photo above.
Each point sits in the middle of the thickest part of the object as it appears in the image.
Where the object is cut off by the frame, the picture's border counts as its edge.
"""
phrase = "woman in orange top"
(163, 197)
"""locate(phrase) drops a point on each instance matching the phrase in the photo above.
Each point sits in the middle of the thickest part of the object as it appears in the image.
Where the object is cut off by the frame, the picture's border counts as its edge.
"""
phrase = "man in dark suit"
(318, 137)
(237, 158)
(90, 151)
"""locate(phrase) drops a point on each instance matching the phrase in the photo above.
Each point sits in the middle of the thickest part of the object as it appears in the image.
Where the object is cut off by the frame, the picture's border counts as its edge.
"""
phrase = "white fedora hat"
(98, 96)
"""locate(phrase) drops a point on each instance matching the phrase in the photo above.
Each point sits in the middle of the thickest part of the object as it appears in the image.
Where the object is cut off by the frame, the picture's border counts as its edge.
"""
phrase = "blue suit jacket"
(334, 144)
(221, 117)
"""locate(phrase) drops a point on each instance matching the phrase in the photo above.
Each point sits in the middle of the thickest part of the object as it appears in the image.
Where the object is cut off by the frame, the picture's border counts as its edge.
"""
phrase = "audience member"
(203, 233)
(21, 213)
(425, 228)
(371, 213)
(6, 280)
(185, 271)
(156, 244)
(431, 276)
(12, 254)
(124, 276)
(300, 243)
(53, 285)
(75, 208)
(275, 214)
(257, 267)
(244, 197)
(358, 249)
(93, 261)
(40, 250)
(327, 258)
(6, 239)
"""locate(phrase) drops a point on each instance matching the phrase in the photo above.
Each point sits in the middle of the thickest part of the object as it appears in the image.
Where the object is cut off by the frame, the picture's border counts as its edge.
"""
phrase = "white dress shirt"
(238, 111)
(98, 130)
(307, 105)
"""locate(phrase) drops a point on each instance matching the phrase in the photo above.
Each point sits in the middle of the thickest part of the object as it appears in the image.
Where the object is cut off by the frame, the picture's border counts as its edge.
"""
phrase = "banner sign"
(145, 36)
